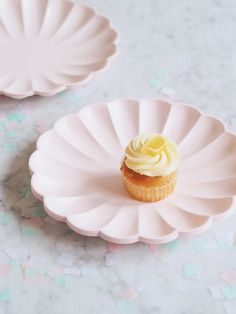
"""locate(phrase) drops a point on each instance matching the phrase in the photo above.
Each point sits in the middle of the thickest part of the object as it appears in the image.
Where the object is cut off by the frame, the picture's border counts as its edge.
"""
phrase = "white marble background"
(186, 46)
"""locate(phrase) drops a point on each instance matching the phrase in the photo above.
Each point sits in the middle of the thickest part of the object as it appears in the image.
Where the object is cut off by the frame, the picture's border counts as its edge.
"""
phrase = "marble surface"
(184, 48)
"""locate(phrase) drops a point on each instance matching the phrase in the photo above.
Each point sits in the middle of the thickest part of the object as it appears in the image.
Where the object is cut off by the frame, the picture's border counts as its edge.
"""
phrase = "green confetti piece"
(192, 270)
(200, 246)
(61, 280)
(39, 212)
(15, 265)
(5, 218)
(25, 191)
(172, 245)
(229, 291)
(31, 272)
(5, 295)
(16, 116)
(10, 147)
(127, 306)
(29, 231)
(11, 134)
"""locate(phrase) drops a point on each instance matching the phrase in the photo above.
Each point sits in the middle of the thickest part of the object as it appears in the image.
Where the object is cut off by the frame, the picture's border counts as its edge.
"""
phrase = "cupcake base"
(145, 188)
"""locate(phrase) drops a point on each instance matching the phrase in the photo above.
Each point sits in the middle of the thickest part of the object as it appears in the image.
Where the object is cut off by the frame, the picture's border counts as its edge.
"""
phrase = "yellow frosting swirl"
(152, 155)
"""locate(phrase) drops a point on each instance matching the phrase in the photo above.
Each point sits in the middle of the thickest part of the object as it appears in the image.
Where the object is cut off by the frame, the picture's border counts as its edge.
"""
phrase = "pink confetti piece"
(152, 247)
(128, 293)
(41, 126)
(12, 125)
(66, 259)
(35, 222)
(113, 246)
(5, 270)
(215, 291)
(229, 276)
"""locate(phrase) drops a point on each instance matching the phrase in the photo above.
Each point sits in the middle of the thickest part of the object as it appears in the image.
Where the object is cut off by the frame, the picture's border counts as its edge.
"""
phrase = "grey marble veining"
(188, 46)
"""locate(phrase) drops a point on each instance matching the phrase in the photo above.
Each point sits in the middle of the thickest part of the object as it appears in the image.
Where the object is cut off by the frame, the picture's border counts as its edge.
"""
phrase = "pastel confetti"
(157, 80)
(12, 125)
(18, 116)
(209, 245)
(39, 211)
(37, 261)
(89, 270)
(20, 254)
(127, 306)
(128, 294)
(112, 258)
(229, 276)
(229, 291)
(54, 271)
(61, 280)
(10, 147)
(50, 221)
(66, 259)
(184, 286)
(72, 270)
(5, 270)
(225, 238)
(113, 246)
(172, 245)
(29, 232)
(34, 222)
(192, 271)
(215, 291)
(152, 247)
(41, 126)
(25, 191)
(5, 295)
(230, 307)
(5, 218)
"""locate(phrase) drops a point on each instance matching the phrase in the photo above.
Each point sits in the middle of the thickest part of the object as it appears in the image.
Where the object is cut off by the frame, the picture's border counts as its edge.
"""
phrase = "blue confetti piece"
(127, 306)
(29, 231)
(11, 134)
(61, 280)
(17, 116)
(192, 271)
(10, 147)
(172, 245)
(5, 218)
(5, 295)
(229, 291)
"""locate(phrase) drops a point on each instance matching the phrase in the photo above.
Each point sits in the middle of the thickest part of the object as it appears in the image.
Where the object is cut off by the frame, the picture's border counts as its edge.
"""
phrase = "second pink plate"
(76, 171)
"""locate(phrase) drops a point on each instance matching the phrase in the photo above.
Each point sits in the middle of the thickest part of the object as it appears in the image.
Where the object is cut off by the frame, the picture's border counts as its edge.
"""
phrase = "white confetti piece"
(184, 286)
(37, 261)
(225, 237)
(209, 245)
(54, 271)
(72, 270)
(66, 259)
(89, 270)
(215, 291)
(112, 258)
(230, 307)
(20, 254)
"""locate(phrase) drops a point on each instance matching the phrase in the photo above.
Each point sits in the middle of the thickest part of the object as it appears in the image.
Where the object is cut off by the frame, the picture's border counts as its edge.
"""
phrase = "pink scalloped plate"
(75, 171)
(48, 46)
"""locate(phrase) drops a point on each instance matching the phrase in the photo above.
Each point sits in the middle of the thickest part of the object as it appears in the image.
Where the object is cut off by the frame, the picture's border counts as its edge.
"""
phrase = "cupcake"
(150, 167)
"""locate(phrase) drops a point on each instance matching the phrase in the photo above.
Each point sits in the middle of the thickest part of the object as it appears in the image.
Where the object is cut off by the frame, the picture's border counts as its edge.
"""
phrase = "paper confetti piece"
(128, 293)
(5, 270)
(10, 147)
(37, 261)
(39, 212)
(72, 270)
(25, 191)
(229, 291)
(20, 254)
(225, 238)
(50, 221)
(192, 271)
(172, 245)
(54, 271)
(89, 270)
(5, 295)
(11, 134)
(164, 255)
(66, 259)
(215, 291)
(127, 306)
(112, 258)
(41, 126)
(184, 286)
(5, 218)
(230, 307)
(209, 245)
(157, 80)
(113, 246)
(29, 231)
(61, 280)
(152, 247)
(229, 276)
(18, 116)
(12, 125)
(169, 92)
